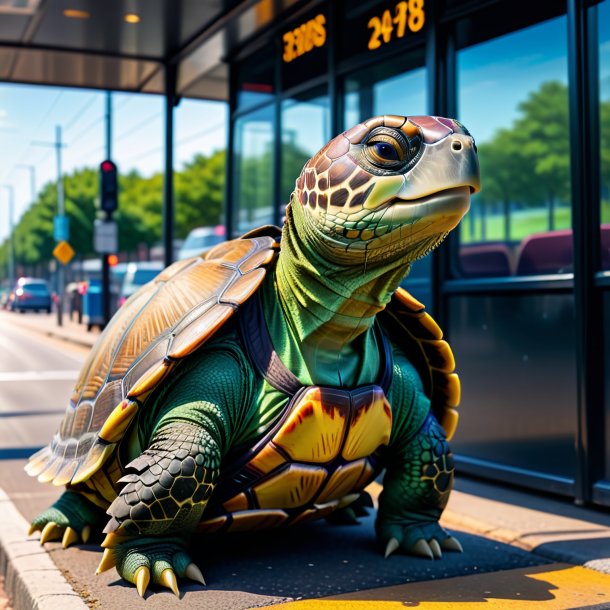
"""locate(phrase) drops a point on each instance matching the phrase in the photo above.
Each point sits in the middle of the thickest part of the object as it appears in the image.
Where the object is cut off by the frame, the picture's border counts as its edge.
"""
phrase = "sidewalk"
(569, 546)
(46, 324)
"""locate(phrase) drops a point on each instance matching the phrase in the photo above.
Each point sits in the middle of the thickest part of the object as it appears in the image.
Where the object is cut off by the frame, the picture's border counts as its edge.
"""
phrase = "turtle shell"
(171, 317)
(162, 323)
(421, 338)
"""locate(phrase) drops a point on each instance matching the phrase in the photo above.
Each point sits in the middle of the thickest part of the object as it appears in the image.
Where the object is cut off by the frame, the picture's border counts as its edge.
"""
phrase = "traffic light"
(109, 191)
(113, 260)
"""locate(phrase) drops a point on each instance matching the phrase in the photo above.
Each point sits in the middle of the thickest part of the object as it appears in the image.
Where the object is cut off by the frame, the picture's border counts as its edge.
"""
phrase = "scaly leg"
(415, 492)
(70, 518)
(166, 491)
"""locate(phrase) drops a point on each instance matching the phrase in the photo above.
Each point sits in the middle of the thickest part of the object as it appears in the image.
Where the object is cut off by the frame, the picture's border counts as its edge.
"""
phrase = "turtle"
(268, 381)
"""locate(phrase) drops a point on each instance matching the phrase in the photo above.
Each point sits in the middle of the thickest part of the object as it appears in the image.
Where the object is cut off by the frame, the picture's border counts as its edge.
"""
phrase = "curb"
(32, 580)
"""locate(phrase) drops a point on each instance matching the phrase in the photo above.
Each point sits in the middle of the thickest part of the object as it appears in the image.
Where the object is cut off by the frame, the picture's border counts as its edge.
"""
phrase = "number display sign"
(304, 49)
(367, 31)
(406, 17)
(304, 38)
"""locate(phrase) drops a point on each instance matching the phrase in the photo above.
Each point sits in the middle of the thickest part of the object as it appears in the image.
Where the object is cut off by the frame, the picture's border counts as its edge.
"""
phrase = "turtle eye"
(385, 151)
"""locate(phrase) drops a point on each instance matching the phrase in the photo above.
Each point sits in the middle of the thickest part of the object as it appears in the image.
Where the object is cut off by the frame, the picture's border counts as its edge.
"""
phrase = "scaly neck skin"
(330, 307)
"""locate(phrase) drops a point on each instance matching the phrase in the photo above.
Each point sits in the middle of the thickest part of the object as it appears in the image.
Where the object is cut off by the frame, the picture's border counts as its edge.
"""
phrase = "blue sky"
(29, 113)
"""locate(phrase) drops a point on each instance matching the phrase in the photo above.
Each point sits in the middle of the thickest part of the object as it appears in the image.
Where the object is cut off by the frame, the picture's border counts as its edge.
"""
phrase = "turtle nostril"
(456, 145)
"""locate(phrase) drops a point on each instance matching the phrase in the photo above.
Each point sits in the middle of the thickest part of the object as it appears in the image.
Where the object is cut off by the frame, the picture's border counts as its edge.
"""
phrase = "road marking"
(552, 587)
(63, 375)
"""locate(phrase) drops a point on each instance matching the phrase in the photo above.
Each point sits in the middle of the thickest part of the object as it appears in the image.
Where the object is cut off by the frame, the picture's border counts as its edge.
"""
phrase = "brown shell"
(422, 339)
(163, 322)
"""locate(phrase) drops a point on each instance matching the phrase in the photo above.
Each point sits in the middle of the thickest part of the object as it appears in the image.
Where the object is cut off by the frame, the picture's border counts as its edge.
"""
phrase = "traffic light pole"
(60, 212)
(105, 265)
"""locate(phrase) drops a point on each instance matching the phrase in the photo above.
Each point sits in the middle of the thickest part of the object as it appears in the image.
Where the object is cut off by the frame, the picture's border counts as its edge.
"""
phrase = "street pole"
(60, 212)
(11, 256)
(57, 145)
(105, 264)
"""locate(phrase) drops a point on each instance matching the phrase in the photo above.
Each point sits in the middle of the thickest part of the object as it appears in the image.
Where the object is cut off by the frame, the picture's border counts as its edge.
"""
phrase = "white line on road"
(65, 375)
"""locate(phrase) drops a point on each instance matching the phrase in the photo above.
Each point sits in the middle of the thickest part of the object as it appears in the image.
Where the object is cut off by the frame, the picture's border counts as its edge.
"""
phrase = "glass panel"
(386, 88)
(199, 177)
(604, 99)
(390, 88)
(520, 224)
(515, 359)
(253, 175)
(255, 79)
(606, 324)
(305, 129)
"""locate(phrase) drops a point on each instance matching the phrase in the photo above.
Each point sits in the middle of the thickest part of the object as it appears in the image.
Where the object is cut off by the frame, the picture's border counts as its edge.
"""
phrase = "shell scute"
(166, 320)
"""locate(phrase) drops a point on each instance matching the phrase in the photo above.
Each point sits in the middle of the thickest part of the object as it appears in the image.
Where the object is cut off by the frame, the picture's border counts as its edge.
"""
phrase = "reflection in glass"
(253, 170)
(604, 106)
(305, 129)
(384, 89)
(255, 79)
(515, 359)
(200, 163)
(520, 222)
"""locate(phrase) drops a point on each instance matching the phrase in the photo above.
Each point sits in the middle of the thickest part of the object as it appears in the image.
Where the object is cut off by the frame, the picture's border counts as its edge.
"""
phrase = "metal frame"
(587, 283)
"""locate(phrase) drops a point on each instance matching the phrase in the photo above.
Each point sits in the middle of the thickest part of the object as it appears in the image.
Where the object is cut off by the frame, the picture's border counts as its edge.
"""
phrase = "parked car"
(201, 239)
(137, 275)
(31, 294)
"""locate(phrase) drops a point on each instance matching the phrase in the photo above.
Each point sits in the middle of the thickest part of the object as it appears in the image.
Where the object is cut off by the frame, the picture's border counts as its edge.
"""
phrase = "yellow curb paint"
(553, 587)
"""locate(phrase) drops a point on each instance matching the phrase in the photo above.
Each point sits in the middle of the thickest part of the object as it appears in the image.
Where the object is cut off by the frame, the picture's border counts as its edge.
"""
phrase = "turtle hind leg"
(71, 519)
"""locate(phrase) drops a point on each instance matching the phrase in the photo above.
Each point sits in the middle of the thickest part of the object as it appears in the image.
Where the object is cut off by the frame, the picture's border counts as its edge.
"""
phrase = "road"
(316, 560)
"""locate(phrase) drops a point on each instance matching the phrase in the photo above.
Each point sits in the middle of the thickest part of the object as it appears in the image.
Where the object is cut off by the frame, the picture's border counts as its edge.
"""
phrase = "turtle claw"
(392, 545)
(452, 544)
(422, 548)
(142, 578)
(86, 534)
(33, 528)
(70, 537)
(108, 561)
(194, 573)
(168, 579)
(435, 548)
(51, 531)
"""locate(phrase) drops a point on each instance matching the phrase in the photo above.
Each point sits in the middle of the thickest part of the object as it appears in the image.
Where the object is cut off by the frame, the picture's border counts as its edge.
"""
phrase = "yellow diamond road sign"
(63, 252)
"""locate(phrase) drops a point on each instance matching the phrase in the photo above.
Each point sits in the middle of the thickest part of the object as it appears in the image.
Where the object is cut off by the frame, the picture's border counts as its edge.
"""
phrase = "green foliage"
(199, 191)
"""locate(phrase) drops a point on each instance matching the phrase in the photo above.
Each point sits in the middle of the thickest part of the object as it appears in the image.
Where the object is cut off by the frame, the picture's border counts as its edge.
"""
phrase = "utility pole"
(11, 256)
(61, 224)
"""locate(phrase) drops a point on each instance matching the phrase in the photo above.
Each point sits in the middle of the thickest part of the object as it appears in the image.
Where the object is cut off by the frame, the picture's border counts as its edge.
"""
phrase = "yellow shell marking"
(257, 519)
(293, 487)
(370, 426)
(114, 427)
(342, 481)
(314, 430)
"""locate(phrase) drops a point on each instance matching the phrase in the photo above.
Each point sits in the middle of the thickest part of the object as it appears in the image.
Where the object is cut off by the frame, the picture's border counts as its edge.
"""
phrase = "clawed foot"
(70, 520)
(138, 560)
(427, 540)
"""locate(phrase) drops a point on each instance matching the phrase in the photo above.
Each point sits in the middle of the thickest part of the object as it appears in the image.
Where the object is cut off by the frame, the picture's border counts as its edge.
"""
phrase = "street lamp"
(11, 256)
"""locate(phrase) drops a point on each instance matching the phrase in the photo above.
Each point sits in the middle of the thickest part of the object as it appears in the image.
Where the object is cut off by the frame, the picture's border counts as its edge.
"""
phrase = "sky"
(30, 114)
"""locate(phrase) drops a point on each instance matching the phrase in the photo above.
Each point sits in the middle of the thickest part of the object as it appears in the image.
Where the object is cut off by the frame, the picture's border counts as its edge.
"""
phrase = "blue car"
(31, 294)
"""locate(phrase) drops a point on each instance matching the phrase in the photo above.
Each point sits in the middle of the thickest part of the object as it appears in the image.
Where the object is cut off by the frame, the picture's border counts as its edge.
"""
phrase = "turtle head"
(387, 189)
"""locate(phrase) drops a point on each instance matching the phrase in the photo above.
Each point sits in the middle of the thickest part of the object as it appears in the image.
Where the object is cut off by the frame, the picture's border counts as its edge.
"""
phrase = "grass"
(522, 223)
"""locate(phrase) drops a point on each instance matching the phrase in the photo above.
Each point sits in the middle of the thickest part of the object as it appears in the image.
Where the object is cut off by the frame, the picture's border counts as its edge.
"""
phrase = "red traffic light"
(113, 259)
(108, 166)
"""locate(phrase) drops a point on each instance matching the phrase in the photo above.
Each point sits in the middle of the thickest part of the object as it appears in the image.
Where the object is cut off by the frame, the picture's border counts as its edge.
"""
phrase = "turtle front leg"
(153, 517)
(70, 519)
(415, 492)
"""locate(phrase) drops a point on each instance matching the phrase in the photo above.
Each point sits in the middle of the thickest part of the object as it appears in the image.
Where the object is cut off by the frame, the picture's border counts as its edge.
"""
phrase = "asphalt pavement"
(518, 548)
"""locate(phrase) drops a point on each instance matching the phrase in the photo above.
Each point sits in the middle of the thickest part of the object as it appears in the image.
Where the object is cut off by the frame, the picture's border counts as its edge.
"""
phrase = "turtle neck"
(328, 307)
